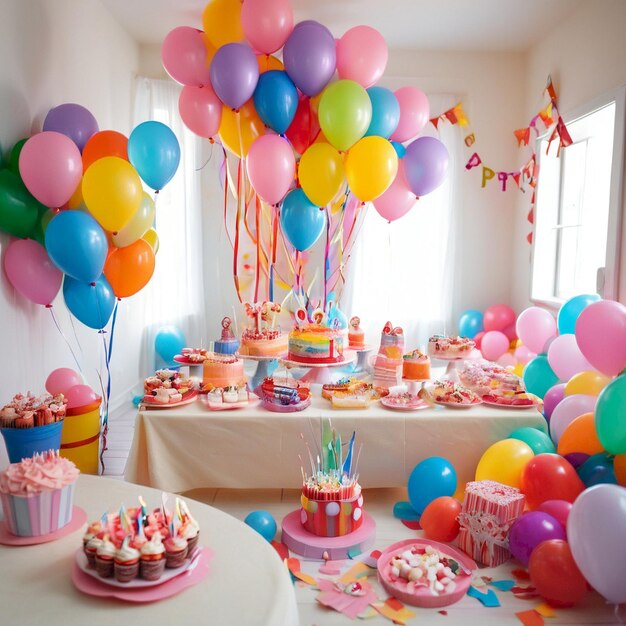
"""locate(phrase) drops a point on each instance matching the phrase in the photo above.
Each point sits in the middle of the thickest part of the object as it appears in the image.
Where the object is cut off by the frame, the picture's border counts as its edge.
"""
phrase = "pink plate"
(188, 398)
(511, 406)
(414, 405)
(421, 596)
(192, 576)
(229, 406)
(286, 408)
(458, 405)
(179, 358)
(79, 517)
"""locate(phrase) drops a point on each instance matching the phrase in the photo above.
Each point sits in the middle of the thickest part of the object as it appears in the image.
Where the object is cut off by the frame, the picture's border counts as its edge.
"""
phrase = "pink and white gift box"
(488, 512)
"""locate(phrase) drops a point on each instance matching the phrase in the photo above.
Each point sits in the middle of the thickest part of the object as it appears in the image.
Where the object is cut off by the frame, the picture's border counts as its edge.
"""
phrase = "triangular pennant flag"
(566, 139)
(434, 121)
(469, 140)
(522, 135)
(460, 115)
(516, 178)
(451, 116)
(550, 89)
(531, 216)
(546, 115)
(529, 238)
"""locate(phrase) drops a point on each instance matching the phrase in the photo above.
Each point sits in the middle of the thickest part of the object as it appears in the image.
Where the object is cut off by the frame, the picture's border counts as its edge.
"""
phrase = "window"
(577, 217)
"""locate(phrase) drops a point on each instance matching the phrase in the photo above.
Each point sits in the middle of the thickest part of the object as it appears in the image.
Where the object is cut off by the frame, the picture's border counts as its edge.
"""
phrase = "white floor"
(379, 504)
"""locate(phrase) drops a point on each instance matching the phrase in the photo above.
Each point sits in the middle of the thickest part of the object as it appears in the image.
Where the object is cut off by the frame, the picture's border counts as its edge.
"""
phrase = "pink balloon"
(80, 395)
(507, 359)
(271, 167)
(201, 110)
(362, 55)
(559, 509)
(30, 270)
(267, 23)
(511, 332)
(552, 398)
(478, 338)
(498, 317)
(523, 355)
(185, 56)
(414, 112)
(62, 379)
(398, 199)
(51, 168)
(567, 410)
(565, 357)
(601, 336)
(534, 327)
(494, 344)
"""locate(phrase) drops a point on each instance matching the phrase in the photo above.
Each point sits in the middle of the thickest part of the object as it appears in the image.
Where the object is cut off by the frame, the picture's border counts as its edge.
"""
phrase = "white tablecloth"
(247, 582)
(192, 447)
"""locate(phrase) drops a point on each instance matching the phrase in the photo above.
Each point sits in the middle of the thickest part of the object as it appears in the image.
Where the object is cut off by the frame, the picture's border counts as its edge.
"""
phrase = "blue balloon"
(470, 323)
(431, 478)
(399, 148)
(536, 439)
(263, 523)
(596, 470)
(385, 112)
(302, 221)
(276, 100)
(154, 152)
(404, 510)
(569, 312)
(91, 304)
(538, 376)
(169, 342)
(77, 245)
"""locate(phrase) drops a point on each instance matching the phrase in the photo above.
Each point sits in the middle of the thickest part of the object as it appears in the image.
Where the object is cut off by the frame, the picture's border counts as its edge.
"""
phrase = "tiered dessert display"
(167, 389)
(331, 518)
(451, 349)
(262, 341)
(284, 395)
(388, 362)
(356, 342)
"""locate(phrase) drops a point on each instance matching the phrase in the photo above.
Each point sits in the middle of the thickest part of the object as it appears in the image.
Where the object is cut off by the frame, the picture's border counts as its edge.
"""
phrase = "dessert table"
(247, 582)
(192, 447)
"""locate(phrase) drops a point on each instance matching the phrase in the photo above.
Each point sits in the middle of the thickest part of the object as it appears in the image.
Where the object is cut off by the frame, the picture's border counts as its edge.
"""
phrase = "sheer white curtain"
(175, 294)
(404, 271)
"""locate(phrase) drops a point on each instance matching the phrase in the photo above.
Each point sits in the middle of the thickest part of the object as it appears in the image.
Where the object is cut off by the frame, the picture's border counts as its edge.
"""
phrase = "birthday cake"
(438, 345)
(356, 336)
(388, 361)
(263, 337)
(416, 366)
(228, 343)
(222, 370)
(134, 543)
(316, 338)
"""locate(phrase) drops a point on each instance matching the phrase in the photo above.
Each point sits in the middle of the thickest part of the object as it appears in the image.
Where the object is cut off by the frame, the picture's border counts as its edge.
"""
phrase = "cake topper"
(355, 322)
(227, 333)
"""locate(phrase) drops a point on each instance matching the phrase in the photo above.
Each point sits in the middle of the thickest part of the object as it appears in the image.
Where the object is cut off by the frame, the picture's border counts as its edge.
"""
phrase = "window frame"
(610, 288)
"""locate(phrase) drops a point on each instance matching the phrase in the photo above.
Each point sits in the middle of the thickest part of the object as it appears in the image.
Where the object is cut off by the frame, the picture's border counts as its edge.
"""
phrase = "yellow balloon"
(504, 462)
(237, 134)
(138, 225)
(76, 201)
(112, 192)
(591, 383)
(151, 237)
(221, 21)
(518, 369)
(371, 166)
(321, 173)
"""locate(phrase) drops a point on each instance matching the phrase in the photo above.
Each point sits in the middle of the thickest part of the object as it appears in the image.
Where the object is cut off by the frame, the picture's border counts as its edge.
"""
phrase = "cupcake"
(175, 551)
(126, 562)
(152, 559)
(191, 533)
(139, 541)
(104, 558)
(91, 549)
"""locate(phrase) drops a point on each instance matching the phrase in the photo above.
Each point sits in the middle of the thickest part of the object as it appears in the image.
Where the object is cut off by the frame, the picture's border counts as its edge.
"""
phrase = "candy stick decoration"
(173, 527)
(301, 317)
(347, 466)
(140, 532)
(358, 456)
(187, 513)
(178, 511)
(327, 435)
(164, 506)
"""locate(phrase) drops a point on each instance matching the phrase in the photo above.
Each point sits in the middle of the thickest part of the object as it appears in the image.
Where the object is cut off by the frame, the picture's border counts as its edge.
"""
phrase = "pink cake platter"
(306, 544)
(188, 398)
(79, 517)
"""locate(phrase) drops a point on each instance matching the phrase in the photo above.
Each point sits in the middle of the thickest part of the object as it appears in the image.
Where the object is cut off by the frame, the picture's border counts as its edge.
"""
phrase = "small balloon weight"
(92, 304)
(439, 519)
(431, 478)
(263, 523)
(504, 462)
(470, 323)
(301, 221)
(531, 529)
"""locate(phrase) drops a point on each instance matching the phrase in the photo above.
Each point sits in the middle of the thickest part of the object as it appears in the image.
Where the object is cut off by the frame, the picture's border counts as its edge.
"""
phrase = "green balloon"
(535, 439)
(609, 417)
(19, 211)
(345, 113)
(538, 376)
(14, 156)
(39, 232)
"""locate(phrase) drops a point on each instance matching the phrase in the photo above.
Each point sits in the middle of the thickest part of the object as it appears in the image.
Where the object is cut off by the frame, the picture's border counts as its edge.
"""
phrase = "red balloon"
(498, 317)
(305, 126)
(555, 575)
(478, 338)
(439, 519)
(559, 509)
(550, 477)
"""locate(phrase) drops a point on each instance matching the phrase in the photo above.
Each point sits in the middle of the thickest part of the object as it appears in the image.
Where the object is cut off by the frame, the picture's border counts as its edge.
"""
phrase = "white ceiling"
(472, 25)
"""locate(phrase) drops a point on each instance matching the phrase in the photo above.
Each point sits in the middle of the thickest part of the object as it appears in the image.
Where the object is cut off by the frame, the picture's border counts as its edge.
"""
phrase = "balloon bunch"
(74, 196)
(307, 141)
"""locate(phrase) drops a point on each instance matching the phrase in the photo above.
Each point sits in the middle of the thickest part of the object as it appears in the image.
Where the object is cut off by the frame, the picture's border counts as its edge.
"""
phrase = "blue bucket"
(22, 443)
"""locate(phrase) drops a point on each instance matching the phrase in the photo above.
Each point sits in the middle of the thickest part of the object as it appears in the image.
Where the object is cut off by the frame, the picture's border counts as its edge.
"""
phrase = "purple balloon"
(553, 396)
(425, 165)
(309, 56)
(234, 74)
(72, 120)
(529, 530)
(576, 459)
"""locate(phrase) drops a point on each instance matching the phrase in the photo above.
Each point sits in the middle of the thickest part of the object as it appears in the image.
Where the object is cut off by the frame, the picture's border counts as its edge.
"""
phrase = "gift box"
(488, 512)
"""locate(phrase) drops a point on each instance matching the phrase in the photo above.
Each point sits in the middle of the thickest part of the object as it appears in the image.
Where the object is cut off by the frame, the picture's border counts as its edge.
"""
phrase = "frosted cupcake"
(126, 562)
(176, 549)
(104, 558)
(191, 533)
(91, 549)
(152, 559)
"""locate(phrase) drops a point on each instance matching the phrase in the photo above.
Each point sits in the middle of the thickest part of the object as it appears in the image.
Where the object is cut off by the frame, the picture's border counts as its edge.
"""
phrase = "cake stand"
(264, 369)
(451, 372)
(415, 385)
(321, 373)
(362, 362)
(195, 369)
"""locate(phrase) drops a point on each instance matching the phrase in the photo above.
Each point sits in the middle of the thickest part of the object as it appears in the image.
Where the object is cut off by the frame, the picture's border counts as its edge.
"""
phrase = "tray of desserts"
(512, 400)
(168, 389)
(449, 394)
(404, 402)
(283, 395)
(192, 356)
(229, 398)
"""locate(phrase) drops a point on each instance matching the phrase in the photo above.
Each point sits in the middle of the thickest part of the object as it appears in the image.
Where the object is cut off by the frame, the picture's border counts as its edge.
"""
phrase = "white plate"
(414, 406)
(511, 406)
(457, 405)
(137, 583)
(188, 398)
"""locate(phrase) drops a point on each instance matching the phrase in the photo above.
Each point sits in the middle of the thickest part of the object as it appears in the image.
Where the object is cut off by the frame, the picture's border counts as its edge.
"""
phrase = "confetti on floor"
(332, 568)
(545, 610)
(530, 618)
(521, 574)
(488, 598)
(502, 585)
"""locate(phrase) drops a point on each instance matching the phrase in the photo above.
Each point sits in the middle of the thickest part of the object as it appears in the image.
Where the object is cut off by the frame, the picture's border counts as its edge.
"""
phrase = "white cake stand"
(451, 372)
(362, 360)
(415, 385)
(321, 373)
(264, 369)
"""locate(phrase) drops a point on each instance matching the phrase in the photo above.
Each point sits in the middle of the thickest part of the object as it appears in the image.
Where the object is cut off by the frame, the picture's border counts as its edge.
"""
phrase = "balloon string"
(80, 348)
(226, 184)
(236, 244)
(258, 249)
(56, 323)
(326, 256)
(618, 617)
(273, 245)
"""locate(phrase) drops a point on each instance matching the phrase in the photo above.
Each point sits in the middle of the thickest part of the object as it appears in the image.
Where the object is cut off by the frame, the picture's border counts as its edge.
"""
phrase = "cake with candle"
(450, 347)
(331, 499)
(416, 366)
(228, 343)
(316, 338)
(221, 371)
(356, 336)
(388, 361)
(263, 336)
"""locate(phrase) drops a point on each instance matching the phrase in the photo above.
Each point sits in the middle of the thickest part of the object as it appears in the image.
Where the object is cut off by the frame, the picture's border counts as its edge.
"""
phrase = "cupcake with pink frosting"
(38, 493)
(176, 548)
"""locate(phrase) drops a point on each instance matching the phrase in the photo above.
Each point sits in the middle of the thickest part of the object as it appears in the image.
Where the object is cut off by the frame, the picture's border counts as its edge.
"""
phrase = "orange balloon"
(268, 62)
(239, 130)
(439, 519)
(103, 144)
(619, 465)
(580, 436)
(129, 269)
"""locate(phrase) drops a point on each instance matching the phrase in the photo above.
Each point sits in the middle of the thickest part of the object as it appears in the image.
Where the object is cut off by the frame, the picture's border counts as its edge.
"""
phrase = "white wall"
(52, 53)
(586, 57)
